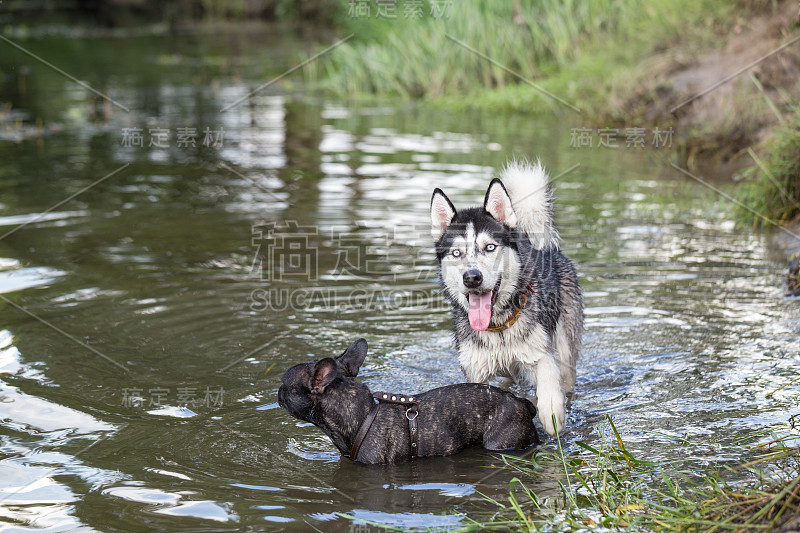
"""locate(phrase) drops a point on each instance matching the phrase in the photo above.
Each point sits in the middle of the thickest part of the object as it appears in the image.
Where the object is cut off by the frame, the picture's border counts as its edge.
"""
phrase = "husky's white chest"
(487, 353)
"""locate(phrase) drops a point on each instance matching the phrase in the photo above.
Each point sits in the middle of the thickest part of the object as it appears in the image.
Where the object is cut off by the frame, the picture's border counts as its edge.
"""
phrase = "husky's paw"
(550, 405)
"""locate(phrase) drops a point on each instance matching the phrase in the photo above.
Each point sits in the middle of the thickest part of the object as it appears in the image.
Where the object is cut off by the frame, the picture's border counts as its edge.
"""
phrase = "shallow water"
(146, 322)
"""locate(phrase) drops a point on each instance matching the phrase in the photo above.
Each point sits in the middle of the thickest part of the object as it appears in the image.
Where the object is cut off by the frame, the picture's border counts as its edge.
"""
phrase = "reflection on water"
(205, 271)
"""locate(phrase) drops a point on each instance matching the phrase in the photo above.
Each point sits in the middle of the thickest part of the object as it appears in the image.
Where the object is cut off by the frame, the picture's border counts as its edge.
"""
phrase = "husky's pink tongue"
(480, 311)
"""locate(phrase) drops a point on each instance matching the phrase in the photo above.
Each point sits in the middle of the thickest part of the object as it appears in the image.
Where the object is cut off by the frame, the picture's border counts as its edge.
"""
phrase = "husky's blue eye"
(491, 247)
(456, 253)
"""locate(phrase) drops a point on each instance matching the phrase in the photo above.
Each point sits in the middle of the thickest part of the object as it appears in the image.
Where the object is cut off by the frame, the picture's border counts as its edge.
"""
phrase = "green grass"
(771, 192)
(607, 486)
(579, 51)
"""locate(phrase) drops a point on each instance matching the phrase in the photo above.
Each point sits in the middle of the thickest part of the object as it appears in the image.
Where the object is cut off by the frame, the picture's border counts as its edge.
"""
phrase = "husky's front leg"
(550, 395)
(475, 363)
(475, 374)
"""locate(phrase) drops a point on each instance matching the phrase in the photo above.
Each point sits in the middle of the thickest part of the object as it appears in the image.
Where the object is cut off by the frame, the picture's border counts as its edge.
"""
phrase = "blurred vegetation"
(574, 49)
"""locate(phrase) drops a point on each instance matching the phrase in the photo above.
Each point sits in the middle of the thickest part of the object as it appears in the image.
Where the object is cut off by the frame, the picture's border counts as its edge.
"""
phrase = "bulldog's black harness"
(410, 402)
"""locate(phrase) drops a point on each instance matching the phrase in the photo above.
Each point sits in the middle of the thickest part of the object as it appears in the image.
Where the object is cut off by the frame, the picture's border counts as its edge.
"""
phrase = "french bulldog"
(394, 428)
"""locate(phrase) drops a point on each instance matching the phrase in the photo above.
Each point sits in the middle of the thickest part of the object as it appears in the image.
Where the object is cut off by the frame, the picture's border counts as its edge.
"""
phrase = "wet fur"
(542, 346)
(451, 418)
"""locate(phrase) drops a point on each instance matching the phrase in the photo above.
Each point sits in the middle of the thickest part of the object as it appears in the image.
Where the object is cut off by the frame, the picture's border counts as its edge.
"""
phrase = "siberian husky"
(517, 305)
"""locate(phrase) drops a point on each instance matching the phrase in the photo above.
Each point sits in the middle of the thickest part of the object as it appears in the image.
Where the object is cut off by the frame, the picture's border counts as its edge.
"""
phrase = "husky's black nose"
(473, 279)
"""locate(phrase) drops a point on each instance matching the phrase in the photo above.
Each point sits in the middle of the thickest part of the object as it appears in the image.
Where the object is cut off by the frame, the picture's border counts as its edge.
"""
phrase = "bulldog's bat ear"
(442, 213)
(325, 372)
(353, 357)
(498, 204)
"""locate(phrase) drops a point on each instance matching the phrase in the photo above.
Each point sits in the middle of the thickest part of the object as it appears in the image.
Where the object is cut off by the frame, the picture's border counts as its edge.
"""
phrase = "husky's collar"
(517, 311)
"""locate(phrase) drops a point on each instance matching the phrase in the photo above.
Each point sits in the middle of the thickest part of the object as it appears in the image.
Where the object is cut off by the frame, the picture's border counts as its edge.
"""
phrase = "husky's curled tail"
(532, 199)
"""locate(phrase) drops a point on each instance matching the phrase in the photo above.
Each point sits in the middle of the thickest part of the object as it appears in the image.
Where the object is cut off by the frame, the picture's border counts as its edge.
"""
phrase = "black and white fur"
(489, 256)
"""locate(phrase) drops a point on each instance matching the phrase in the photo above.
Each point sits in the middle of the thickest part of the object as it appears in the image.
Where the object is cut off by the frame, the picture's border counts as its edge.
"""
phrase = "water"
(146, 322)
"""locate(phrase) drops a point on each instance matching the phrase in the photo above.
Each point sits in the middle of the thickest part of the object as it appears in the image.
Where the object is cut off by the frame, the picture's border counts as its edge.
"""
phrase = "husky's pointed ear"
(498, 204)
(324, 373)
(353, 357)
(442, 213)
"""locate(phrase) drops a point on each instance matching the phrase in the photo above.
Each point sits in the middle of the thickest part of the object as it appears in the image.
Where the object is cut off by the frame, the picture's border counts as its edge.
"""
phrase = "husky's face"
(477, 253)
